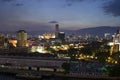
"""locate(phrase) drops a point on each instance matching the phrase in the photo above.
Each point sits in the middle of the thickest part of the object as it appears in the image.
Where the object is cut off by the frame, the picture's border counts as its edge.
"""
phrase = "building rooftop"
(21, 31)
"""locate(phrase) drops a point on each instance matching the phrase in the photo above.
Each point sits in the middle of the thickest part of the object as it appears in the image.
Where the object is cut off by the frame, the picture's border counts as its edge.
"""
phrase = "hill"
(97, 30)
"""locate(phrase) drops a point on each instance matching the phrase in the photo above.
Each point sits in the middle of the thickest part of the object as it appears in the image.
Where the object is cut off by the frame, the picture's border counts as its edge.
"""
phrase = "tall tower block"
(21, 38)
(56, 30)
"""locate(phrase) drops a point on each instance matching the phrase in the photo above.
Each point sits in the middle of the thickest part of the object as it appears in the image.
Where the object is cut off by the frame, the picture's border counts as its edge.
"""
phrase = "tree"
(102, 56)
(72, 52)
(51, 50)
(11, 46)
(86, 50)
(57, 44)
(116, 56)
(66, 67)
(114, 70)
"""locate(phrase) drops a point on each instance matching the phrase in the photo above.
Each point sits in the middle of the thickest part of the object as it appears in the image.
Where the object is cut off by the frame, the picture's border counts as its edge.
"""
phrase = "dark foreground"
(52, 77)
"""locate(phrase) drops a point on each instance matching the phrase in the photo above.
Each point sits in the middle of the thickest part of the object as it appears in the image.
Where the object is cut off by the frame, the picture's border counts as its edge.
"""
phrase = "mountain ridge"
(98, 30)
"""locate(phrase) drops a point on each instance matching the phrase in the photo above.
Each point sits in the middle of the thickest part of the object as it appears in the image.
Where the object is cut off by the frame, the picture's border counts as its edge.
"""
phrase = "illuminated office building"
(21, 38)
(115, 44)
(61, 36)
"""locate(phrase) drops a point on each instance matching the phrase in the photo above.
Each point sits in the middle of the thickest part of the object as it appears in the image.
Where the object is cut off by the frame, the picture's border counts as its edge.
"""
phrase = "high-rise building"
(61, 36)
(118, 31)
(21, 38)
(107, 36)
(2, 38)
(115, 44)
(56, 30)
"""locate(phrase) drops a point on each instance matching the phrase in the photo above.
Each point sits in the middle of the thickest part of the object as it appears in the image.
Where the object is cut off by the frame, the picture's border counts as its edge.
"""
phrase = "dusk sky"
(35, 15)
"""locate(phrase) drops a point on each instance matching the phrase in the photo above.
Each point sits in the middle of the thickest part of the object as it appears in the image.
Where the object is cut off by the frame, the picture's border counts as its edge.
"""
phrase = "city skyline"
(33, 15)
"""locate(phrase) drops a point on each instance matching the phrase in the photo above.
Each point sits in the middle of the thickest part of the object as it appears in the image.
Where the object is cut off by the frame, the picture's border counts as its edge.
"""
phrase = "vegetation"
(102, 56)
(49, 49)
(116, 56)
(72, 52)
(114, 70)
(66, 67)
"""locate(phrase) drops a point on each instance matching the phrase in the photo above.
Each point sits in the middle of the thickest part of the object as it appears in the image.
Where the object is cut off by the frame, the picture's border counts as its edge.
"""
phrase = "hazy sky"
(69, 14)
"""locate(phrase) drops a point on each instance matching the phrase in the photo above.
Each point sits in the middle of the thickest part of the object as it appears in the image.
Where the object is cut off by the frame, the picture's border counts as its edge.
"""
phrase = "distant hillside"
(98, 30)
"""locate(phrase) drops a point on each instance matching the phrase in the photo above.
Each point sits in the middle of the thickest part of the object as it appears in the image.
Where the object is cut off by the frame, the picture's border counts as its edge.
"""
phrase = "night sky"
(35, 15)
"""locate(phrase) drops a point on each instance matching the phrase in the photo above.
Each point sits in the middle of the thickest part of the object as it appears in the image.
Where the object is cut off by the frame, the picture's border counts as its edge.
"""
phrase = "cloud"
(8, 0)
(18, 4)
(53, 22)
(71, 2)
(113, 8)
(74, 0)
(12, 2)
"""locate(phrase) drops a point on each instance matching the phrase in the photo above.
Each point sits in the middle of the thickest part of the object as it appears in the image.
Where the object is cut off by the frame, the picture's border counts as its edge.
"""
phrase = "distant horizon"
(95, 31)
(49, 30)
